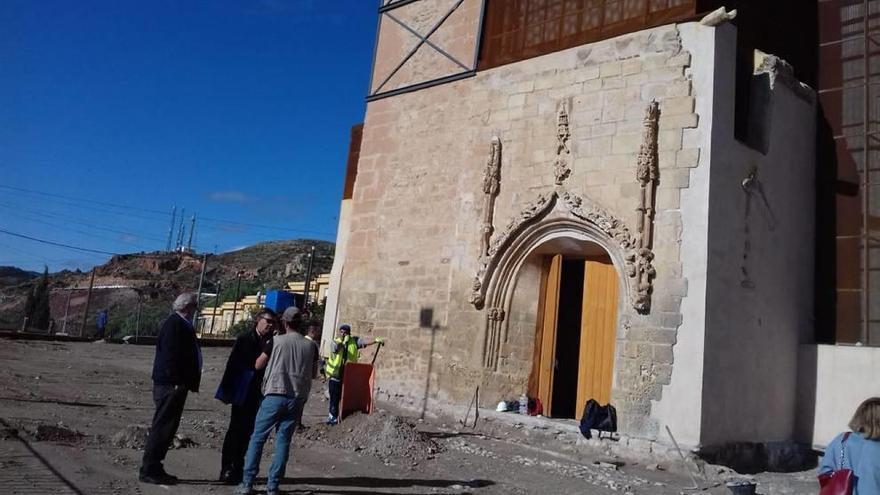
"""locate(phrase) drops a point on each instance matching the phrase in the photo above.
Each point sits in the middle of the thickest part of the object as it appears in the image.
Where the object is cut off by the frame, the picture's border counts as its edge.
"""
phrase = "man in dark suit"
(177, 370)
(242, 361)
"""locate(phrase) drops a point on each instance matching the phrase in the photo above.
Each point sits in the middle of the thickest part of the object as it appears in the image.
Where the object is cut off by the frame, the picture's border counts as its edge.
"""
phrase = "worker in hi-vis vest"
(344, 349)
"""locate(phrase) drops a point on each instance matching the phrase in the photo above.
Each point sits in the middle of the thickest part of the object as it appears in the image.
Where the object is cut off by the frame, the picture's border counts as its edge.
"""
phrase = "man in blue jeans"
(291, 367)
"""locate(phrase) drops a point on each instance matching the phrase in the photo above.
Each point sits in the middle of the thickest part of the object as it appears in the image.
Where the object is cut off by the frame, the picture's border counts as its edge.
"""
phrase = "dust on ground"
(73, 418)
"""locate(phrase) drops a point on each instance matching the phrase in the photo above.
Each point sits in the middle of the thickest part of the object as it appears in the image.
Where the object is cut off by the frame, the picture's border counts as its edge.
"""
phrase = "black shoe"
(158, 479)
(171, 477)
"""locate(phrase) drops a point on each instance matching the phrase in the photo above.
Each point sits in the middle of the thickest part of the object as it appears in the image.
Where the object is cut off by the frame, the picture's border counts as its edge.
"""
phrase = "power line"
(71, 219)
(60, 198)
(59, 244)
(31, 218)
(78, 248)
(285, 229)
(27, 254)
(126, 214)
(71, 198)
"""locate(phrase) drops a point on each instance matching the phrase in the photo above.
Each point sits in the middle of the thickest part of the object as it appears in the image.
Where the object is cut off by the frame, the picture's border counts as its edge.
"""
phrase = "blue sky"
(114, 111)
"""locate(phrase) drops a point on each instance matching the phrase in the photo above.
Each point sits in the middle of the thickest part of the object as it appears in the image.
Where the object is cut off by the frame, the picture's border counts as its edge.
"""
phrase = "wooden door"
(598, 333)
(549, 315)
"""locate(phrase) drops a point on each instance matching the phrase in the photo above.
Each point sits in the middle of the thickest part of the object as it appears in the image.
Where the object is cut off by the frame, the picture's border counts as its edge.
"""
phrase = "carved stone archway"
(557, 214)
(502, 256)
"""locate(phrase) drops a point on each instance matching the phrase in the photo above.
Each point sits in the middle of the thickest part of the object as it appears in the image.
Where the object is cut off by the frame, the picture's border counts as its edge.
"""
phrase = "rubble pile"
(132, 437)
(382, 435)
(207, 432)
(181, 441)
(59, 433)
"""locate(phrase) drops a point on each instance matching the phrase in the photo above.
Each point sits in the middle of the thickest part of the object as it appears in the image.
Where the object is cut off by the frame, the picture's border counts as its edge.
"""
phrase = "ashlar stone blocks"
(418, 198)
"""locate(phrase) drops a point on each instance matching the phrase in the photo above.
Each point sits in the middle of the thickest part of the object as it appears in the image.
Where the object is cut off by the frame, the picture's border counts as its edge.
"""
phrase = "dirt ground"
(73, 415)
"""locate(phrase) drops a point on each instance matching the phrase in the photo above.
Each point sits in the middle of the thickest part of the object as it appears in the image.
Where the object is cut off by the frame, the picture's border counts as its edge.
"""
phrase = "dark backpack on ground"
(596, 417)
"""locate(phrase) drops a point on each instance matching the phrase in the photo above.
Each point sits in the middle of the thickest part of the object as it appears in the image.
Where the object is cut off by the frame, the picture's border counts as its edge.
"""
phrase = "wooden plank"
(613, 298)
(548, 337)
(598, 332)
(608, 333)
(587, 351)
(539, 331)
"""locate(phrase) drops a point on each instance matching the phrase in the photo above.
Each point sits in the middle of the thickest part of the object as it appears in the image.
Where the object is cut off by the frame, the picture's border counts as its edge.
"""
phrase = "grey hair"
(184, 300)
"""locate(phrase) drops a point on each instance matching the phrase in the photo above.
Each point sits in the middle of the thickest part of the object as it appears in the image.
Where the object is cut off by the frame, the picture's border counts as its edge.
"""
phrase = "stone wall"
(331, 311)
(415, 233)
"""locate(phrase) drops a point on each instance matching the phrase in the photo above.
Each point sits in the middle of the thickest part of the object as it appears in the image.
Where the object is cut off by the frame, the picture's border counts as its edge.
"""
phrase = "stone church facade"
(585, 223)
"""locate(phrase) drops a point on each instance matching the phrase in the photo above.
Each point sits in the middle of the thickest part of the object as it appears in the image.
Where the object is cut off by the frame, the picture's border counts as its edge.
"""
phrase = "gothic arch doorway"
(575, 335)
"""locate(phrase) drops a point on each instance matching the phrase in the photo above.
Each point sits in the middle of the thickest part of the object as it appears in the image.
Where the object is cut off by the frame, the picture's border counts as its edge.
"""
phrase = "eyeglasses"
(269, 321)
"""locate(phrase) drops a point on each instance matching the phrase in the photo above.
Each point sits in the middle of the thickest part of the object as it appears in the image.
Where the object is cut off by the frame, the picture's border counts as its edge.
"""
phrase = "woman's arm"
(829, 460)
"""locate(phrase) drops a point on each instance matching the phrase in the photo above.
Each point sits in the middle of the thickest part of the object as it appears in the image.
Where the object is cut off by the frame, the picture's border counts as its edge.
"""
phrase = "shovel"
(376, 353)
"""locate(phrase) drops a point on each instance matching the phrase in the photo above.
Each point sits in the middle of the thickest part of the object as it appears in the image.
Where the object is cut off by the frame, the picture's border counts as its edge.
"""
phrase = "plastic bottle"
(523, 404)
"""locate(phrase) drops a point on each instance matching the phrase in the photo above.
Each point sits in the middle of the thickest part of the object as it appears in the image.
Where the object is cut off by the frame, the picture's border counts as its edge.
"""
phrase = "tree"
(36, 308)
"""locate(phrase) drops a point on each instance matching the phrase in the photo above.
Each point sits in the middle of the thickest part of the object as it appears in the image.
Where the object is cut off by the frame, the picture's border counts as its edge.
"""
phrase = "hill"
(10, 275)
(148, 282)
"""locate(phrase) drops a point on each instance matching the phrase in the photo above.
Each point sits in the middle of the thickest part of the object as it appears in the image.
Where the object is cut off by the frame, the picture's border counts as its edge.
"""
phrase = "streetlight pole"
(308, 278)
(137, 321)
(235, 303)
(201, 279)
(82, 329)
(216, 303)
(66, 310)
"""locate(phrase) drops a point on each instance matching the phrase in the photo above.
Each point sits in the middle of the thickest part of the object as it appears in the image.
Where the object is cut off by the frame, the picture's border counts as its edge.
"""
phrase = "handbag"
(839, 481)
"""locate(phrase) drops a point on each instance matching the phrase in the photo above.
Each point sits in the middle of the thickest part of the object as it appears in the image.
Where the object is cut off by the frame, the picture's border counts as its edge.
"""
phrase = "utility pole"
(137, 321)
(192, 228)
(171, 229)
(66, 310)
(180, 231)
(308, 278)
(201, 278)
(82, 329)
(235, 303)
(216, 303)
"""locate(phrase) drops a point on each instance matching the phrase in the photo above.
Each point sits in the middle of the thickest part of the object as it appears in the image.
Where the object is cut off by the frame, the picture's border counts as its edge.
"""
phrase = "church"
(659, 204)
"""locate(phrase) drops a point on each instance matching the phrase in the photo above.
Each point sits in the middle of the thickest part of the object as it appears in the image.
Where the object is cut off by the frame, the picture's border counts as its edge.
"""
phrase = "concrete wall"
(760, 256)
(834, 380)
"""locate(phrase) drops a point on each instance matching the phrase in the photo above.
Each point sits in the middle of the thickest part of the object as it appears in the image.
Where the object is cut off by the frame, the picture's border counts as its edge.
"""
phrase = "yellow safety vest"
(348, 353)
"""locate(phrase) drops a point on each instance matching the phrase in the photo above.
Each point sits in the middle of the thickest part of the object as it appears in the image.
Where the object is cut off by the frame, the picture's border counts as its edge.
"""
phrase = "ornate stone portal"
(491, 184)
(647, 173)
(563, 134)
(500, 256)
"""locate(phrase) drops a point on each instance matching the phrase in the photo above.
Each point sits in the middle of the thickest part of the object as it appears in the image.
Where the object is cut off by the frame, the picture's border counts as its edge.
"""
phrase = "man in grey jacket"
(292, 365)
